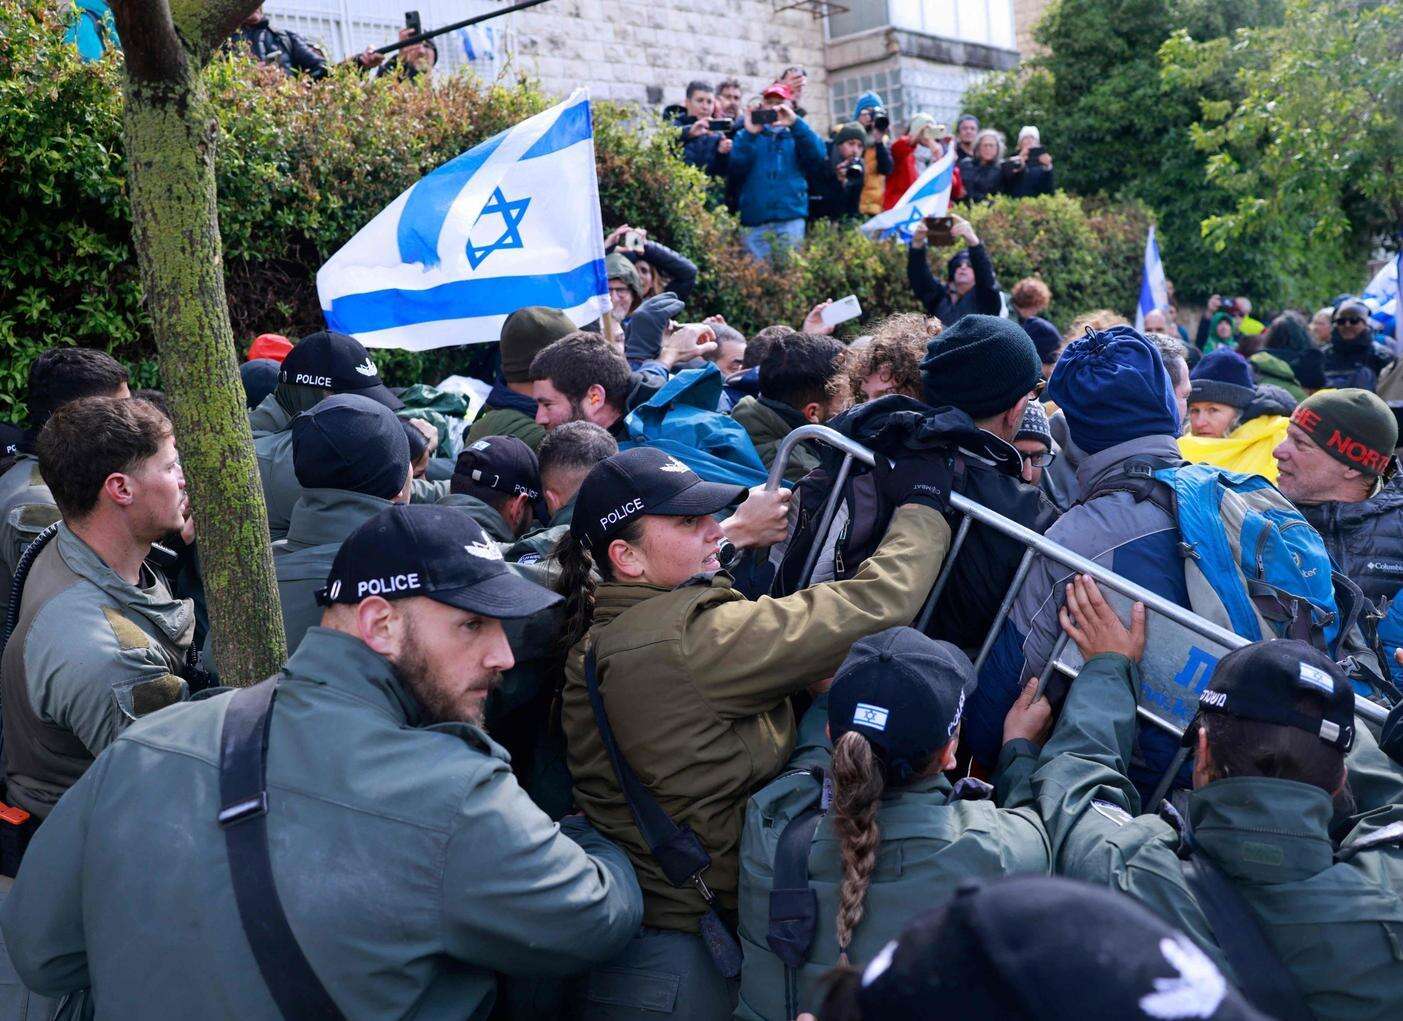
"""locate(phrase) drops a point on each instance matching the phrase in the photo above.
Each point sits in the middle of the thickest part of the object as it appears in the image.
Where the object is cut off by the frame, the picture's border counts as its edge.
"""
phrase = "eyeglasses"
(1040, 460)
(1349, 321)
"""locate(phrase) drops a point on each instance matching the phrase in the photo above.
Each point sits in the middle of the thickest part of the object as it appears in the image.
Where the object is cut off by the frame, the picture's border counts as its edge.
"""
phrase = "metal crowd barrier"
(1038, 545)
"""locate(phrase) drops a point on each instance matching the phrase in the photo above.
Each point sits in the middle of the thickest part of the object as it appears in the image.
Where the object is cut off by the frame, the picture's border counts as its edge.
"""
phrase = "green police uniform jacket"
(929, 844)
(26, 509)
(410, 865)
(1336, 925)
(768, 423)
(506, 422)
(533, 547)
(696, 683)
(321, 520)
(487, 517)
(89, 654)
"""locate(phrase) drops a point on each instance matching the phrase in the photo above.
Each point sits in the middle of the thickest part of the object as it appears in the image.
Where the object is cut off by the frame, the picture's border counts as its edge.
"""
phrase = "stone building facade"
(919, 55)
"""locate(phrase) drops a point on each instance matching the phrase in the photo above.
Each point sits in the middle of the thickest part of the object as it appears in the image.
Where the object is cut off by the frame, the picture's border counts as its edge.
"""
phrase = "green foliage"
(1310, 155)
(1119, 125)
(302, 166)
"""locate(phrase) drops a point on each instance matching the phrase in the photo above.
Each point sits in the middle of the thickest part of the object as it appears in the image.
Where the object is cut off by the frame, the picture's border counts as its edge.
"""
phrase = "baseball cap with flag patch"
(643, 480)
(435, 552)
(336, 362)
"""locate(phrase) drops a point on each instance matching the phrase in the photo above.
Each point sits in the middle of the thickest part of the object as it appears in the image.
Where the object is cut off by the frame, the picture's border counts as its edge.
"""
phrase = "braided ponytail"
(858, 783)
(577, 586)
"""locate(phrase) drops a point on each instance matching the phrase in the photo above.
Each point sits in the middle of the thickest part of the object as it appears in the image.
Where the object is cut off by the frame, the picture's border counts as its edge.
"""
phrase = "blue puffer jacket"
(1365, 541)
(1138, 541)
(771, 169)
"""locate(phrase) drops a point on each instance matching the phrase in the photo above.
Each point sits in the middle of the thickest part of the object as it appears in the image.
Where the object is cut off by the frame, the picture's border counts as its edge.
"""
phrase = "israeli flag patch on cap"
(874, 717)
(1314, 677)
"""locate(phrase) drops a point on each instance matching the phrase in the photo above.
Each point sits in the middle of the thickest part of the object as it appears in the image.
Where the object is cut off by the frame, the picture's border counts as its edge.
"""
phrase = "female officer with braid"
(896, 839)
(695, 682)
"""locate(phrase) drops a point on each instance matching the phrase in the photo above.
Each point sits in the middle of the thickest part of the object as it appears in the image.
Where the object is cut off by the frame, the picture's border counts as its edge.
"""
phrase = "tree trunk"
(170, 138)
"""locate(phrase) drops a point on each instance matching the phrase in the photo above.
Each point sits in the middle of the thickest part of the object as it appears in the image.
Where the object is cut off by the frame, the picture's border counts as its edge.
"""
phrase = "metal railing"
(1038, 545)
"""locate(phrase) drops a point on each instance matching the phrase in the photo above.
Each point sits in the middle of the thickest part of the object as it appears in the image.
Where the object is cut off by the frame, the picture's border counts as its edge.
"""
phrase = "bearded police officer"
(99, 640)
(497, 482)
(320, 365)
(1306, 929)
(351, 456)
(408, 864)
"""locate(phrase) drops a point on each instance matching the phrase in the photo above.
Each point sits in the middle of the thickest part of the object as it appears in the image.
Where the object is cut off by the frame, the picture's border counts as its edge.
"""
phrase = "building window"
(845, 91)
(860, 16)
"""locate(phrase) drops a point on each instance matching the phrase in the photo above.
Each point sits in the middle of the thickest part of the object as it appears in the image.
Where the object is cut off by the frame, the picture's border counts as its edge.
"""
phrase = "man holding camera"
(706, 140)
(970, 285)
(834, 194)
(871, 115)
(770, 164)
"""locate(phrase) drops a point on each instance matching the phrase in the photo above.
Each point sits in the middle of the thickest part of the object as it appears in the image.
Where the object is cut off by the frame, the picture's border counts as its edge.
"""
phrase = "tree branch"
(205, 24)
(150, 45)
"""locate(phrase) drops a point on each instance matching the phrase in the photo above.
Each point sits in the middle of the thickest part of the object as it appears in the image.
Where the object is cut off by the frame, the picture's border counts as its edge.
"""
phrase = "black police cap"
(643, 480)
(501, 463)
(350, 442)
(336, 362)
(1045, 948)
(905, 693)
(1265, 680)
(432, 551)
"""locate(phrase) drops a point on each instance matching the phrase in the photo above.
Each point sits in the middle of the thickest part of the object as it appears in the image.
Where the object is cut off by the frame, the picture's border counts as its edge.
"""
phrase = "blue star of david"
(912, 218)
(511, 214)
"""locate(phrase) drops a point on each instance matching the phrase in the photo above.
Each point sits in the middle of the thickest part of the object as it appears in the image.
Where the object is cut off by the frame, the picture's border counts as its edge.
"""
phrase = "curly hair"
(1030, 293)
(898, 345)
(858, 783)
(1097, 319)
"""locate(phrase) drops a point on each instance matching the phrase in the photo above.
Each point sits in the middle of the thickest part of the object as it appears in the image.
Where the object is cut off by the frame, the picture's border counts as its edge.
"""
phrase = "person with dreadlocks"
(874, 820)
(676, 680)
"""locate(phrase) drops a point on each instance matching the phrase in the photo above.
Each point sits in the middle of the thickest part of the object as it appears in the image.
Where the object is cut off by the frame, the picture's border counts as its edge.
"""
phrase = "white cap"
(1028, 129)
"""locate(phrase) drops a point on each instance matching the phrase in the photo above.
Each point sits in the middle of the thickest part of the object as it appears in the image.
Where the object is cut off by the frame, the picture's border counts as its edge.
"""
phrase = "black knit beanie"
(981, 365)
(1353, 426)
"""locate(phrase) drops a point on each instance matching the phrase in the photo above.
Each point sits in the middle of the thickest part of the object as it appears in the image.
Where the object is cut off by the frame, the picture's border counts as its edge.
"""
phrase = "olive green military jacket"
(536, 546)
(320, 522)
(409, 863)
(89, 654)
(492, 522)
(506, 422)
(696, 683)
(929, 845)
(1337, 925)
(767, 428)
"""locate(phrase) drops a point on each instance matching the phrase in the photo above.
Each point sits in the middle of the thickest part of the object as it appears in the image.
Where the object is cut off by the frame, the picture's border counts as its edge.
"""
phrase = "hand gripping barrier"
(1174, 673)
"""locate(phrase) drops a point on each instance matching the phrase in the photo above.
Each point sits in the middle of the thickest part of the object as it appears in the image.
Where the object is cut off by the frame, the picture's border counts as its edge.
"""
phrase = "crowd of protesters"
(563, 732)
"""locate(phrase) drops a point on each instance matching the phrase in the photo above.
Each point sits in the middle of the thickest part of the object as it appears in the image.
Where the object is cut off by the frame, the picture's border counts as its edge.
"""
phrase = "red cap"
(269, 345)
(778, 89)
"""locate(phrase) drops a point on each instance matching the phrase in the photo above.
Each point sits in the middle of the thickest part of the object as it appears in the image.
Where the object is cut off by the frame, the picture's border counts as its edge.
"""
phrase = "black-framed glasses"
(1043, 459)
(1349, 321)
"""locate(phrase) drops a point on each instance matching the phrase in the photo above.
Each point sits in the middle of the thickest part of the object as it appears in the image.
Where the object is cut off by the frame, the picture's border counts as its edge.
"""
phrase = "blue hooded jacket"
(867, 101)
(771, 169)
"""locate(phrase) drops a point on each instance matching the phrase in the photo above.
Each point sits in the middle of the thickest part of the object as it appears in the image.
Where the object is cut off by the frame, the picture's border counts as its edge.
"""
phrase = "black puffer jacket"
(1355, 364)
(1365, 539)
(286, 49)
(980, 179)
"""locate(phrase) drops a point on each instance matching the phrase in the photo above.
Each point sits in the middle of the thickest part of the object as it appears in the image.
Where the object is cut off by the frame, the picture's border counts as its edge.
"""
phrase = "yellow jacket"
(1246, 449)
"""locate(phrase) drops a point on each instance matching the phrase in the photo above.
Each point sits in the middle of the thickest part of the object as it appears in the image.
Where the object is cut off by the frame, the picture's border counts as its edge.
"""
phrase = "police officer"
(100, 640)
(57, 376)
(320, 365)
(567, 454)
(896, 837)
(1273, 729)
(694, 681)
(497, 482)
(409, 866)
(351, 456)
(1034, 948)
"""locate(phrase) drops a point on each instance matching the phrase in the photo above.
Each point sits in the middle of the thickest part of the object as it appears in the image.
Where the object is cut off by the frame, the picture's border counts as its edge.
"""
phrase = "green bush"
(302, 166)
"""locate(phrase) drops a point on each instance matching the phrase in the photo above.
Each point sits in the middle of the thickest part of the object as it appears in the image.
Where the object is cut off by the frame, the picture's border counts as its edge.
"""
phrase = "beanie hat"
(1112, 387)
(959, 257)
(259, 376)
(1034, 425)
(1222, 377)
(617, 267)
(850, 133)
(1353, 426)
(527, 331)
(1044, 336)
(981, 365)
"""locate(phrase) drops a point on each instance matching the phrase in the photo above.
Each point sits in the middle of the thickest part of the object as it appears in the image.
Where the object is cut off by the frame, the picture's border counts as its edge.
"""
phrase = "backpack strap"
(243, 816)
(1138, 479)
(677, 849)
(1261, 976)
(1390, 834)
(793, 917)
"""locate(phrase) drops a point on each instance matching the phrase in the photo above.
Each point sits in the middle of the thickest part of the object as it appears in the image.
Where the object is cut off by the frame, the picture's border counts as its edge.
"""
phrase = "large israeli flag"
(1382, 300)
(1154, 291)
(929, 195)
(512, 222)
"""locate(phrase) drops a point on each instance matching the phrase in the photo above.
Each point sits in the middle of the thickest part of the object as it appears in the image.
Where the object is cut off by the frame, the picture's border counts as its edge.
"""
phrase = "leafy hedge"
(303, 165)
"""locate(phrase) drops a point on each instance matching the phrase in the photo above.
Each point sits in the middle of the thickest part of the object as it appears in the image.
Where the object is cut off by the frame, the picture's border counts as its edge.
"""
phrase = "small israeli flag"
(1381, 298)
(874, 717)
(514, 221)
(929, 195)
(1154, 292)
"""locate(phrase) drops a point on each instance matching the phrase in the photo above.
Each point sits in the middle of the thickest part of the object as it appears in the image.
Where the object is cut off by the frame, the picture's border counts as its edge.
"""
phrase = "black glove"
(643, 336)
(910, 479)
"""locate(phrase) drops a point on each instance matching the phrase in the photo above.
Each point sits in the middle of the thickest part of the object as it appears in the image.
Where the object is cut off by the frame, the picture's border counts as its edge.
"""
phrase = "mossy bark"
(170, 138)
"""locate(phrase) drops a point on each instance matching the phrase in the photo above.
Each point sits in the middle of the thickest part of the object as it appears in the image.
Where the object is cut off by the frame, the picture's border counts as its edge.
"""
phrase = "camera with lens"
(880, 120)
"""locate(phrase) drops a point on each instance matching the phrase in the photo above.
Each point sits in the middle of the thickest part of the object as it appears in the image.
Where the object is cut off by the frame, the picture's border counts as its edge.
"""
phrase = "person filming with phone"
(970, 285)
(706, 140)
(1028, 172)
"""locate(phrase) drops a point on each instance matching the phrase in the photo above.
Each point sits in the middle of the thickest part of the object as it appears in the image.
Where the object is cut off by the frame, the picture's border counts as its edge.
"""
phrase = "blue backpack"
(1253, 564)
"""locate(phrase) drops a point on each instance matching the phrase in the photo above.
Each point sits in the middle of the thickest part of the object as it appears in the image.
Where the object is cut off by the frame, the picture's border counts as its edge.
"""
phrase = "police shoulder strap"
(1259, 973)
(1390, 835)
(243, 815)
(677, 849)
(793, 917)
